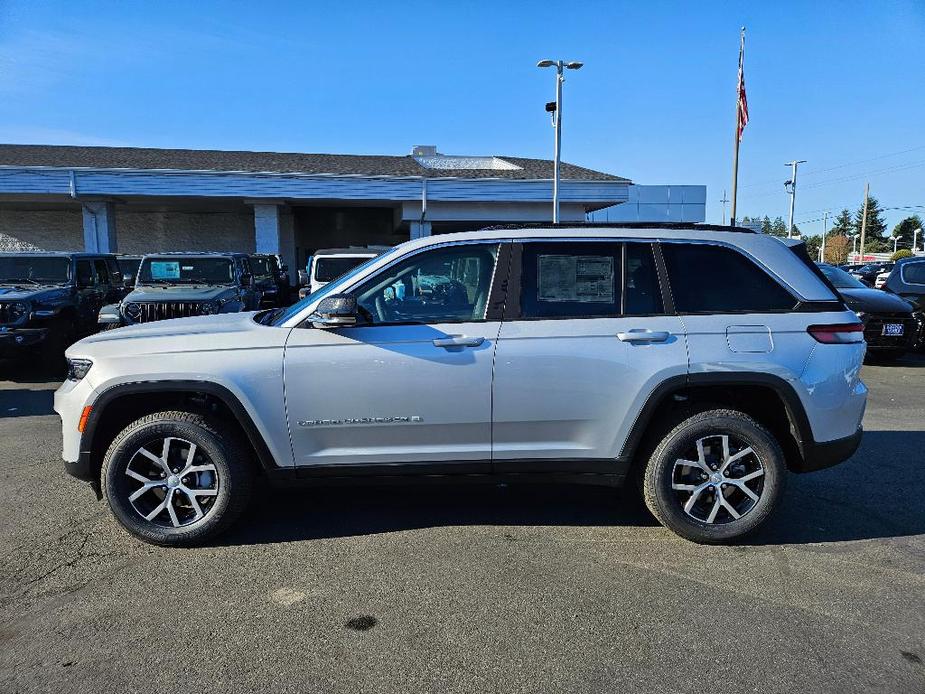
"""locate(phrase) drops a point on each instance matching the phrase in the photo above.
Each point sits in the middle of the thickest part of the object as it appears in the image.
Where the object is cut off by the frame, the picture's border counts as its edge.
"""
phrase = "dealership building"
(137, 200)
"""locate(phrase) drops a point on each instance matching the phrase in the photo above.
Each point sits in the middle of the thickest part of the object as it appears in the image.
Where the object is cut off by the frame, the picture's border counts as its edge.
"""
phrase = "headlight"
(18, 309)
(132, 310)
(78, 368)
(208, 307)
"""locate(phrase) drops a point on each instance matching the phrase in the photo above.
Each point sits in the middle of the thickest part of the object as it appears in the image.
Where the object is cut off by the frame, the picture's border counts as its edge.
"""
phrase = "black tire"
(667, 504)
(226, 450)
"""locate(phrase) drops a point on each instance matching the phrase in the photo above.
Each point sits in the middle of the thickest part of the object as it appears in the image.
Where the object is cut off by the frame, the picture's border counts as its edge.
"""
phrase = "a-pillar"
(274, 233)
(419, 229)
(99, 220)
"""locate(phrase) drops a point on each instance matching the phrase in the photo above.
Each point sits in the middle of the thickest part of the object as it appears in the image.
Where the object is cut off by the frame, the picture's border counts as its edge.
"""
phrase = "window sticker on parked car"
(585, 278)
(165, 270)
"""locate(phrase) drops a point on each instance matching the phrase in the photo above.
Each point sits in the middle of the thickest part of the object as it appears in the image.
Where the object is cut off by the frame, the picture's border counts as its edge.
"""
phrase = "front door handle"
(644, 335)
(458, 341)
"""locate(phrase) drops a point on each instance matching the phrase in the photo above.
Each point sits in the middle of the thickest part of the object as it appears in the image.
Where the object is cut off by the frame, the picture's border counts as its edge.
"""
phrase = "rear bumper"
(818, 456)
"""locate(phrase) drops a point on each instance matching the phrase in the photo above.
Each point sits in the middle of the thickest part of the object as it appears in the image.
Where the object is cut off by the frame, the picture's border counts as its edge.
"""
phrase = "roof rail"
(696, 226)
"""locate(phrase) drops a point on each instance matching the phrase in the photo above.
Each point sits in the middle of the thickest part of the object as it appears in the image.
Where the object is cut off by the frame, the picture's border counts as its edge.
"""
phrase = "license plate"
(892, 329)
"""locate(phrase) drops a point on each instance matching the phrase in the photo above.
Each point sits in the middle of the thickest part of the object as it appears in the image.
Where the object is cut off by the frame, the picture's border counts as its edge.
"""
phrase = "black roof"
(67, 156)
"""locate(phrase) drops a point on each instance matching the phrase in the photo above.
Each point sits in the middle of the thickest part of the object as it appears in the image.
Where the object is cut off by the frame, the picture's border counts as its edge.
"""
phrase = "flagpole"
(735, 151)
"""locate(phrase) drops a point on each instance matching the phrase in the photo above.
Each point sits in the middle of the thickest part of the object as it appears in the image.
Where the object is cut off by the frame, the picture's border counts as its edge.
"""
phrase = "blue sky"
(841, 85)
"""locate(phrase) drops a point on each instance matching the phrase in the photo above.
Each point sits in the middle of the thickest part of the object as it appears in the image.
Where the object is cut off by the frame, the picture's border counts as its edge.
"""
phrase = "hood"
(874, 301)
(179, 292)
(215, 333)
(31, 292)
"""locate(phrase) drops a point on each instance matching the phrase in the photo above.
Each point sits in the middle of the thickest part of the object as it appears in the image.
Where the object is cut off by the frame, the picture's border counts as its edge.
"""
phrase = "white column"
(274, 234)
(419, 229)
(99, 220)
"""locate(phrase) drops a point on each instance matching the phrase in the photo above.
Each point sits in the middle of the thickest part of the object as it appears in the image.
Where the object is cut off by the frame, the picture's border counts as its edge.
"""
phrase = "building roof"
(69, 156)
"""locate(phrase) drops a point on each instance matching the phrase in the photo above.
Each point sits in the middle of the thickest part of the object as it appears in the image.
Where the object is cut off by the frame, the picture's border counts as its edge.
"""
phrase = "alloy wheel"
(177, 487)
(719, 480)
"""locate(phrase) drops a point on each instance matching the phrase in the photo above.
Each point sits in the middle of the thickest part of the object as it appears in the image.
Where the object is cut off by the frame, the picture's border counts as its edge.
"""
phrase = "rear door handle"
(644, 335)
(458, 341)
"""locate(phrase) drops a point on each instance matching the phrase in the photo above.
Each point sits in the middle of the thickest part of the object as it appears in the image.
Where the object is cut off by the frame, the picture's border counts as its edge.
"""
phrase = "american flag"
(742, 109)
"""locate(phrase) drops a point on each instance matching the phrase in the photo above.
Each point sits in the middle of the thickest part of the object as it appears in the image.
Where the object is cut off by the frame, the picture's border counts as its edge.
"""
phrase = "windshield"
(840, 278)
(34, 269)
(261, 267)
(128, 266)
(193, 270)
(328, 269)
(283, 315)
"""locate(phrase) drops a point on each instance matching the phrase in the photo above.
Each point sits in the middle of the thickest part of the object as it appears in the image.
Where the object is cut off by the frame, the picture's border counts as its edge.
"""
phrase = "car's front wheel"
(171, 478)
(715, 477)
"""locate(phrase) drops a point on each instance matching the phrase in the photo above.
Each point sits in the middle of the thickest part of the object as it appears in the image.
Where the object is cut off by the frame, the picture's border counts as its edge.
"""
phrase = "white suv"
(701, 363)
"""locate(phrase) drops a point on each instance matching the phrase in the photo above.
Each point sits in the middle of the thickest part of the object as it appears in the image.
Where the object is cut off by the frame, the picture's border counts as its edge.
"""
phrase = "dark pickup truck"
(49, 300)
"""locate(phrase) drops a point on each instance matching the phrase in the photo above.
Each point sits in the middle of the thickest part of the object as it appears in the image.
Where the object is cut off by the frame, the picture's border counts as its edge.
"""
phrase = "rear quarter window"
(914, 273)
(706, 278)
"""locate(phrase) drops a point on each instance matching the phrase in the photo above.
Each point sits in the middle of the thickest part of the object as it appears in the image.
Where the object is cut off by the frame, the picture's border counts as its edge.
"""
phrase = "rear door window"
(84, 274)
(571, 280)
(102, 272)
(706, 278)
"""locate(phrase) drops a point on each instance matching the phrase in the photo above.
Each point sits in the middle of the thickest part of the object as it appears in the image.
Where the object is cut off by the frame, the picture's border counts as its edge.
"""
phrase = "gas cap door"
(753, 339)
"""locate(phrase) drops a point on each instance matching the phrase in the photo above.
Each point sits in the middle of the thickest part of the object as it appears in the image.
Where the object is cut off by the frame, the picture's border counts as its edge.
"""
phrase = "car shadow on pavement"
(308, 514)
(876, 494)
(23, 402)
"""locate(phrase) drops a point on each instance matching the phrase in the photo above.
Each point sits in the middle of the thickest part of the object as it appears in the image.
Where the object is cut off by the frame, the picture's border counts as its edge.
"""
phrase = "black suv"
(179, 285)
(49, 300)
(271, 278)
(908, 281)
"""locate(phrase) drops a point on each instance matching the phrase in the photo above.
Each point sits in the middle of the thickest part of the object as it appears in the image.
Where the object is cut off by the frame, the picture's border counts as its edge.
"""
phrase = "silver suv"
(700, 363)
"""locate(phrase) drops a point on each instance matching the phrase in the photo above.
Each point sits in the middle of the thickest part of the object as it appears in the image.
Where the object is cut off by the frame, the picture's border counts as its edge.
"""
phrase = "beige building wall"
(156, 232)
(42, 230)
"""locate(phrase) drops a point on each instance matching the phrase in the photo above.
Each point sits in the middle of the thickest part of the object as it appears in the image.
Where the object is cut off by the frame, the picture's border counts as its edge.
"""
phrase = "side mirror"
(247, 279)
(303, 278)
(336, 311)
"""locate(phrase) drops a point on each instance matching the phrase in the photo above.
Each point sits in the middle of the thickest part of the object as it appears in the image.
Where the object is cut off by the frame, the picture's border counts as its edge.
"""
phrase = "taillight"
(839, 334)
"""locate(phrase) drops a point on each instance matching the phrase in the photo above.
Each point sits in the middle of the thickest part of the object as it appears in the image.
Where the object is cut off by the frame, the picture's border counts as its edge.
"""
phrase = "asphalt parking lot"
(469, 589)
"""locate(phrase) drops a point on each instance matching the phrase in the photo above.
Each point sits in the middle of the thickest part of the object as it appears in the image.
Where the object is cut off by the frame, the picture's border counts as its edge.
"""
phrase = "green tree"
(844, 224)
(905, 230)
(778, 227)
(766, 225)
(813, 244)
(876, 225)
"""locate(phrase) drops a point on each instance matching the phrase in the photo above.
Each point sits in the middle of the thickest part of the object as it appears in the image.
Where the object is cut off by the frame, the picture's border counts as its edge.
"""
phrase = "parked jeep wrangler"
(179, 285)
(49, 300)
(699, 363)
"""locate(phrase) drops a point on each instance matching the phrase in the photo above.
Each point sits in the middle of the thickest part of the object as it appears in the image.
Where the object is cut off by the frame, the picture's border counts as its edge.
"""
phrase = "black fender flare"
(229, 399)
(796, 413)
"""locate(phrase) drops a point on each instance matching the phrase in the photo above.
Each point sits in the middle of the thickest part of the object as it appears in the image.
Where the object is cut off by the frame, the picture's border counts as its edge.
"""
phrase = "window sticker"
(165, 270)
(583, 278)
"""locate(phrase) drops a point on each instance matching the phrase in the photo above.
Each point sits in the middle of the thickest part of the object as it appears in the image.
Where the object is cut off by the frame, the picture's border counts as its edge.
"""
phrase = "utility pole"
(724, 201)
(864, 219)
(825, 226)
(793, 191)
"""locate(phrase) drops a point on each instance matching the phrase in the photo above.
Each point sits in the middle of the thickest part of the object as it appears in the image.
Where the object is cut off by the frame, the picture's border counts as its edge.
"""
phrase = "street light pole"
(560, 66)
(793, 192)
(825, 227)
(895, 240)
(854, 246)
(915, 238)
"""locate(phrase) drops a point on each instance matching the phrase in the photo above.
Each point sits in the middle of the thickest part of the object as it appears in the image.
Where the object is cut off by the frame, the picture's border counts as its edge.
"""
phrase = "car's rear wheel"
(171, 478)
(715, 477)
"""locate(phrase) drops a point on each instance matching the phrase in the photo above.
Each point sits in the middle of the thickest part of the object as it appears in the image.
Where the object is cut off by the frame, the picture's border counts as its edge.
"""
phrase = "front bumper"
(818, 456)
(14, 341)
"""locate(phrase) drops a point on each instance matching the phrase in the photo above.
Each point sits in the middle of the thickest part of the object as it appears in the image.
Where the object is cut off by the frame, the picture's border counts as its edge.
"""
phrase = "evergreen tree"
(876, 225)
(779, 227)
(844, 224)
(766, 225)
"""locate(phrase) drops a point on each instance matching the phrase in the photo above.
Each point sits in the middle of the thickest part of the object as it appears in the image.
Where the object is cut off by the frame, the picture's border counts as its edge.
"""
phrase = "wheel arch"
(768, 398)
(121, 404)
